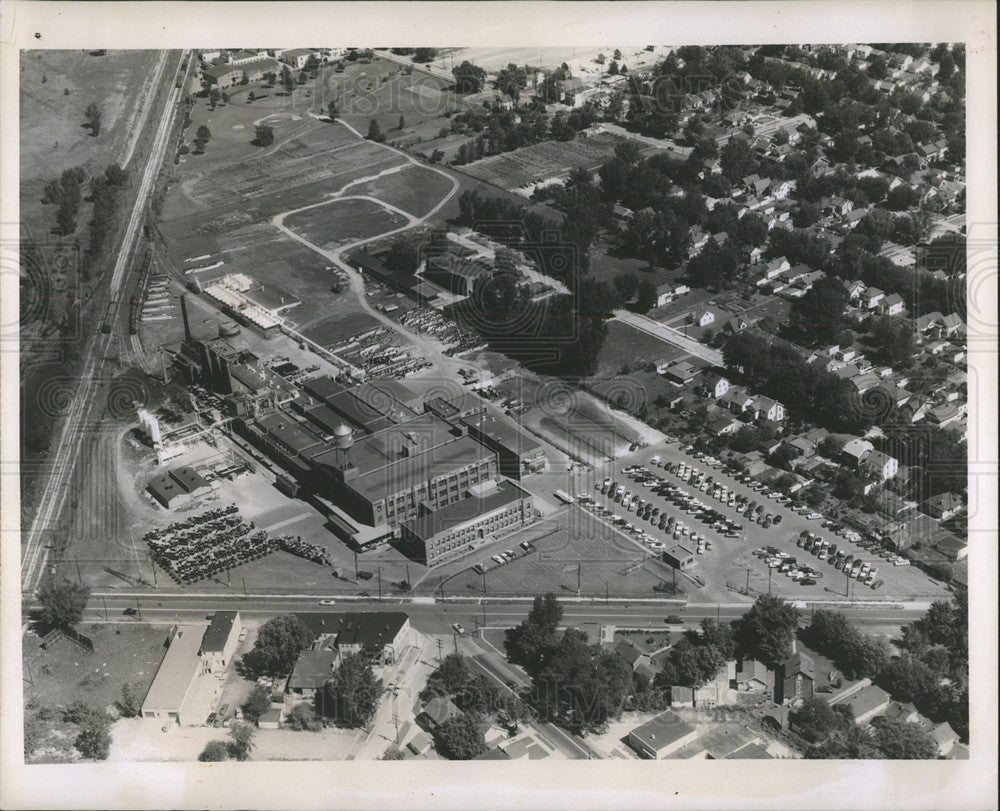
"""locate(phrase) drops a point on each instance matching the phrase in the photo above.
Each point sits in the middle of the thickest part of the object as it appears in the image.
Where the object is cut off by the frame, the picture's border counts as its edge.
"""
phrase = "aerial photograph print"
(502, 403)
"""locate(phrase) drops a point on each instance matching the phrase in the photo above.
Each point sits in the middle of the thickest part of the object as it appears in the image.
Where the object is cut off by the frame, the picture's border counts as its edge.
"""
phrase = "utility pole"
(484, 581)
(769, 571)
(607, 599)
(355, 564)
(579, 574)
(152, 565)
(454, 639)
(380, 584)
(79, 576)
(138, 608)
(748, 580)
(439, 651)
(245, 589)
(105, 601)
(408, 574)
(483, 605)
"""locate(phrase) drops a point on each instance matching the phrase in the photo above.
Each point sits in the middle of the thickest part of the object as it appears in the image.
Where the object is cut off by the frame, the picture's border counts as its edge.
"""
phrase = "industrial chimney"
(184, 315)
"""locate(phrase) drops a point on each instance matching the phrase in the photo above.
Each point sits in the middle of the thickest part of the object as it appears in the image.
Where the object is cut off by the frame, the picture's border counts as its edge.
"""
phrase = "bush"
(94, 742)
(214, 752)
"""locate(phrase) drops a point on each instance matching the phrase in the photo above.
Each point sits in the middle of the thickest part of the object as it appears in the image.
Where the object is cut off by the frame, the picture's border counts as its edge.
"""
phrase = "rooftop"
(218, 632)
(179, 667)
(663, 730)
(457, 515)
(371, 628)
(312, 670)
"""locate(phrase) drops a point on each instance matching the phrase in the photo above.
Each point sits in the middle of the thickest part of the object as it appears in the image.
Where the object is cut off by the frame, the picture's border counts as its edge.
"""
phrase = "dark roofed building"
(517, 453)
(312, 670)
(436, 711)
(220, 641)
(661, 736)
(376, 634)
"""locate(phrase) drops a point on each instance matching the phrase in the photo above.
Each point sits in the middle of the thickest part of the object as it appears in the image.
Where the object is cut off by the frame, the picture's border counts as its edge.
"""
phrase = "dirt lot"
(343, 222)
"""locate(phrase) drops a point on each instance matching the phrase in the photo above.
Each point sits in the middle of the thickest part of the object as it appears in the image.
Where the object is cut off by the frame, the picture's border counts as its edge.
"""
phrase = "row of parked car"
(789, 566)
(841, 559)
(503, 558)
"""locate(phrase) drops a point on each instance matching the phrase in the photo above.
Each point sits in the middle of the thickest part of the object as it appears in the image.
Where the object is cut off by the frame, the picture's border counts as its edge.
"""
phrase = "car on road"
(327, 602)
(130, 612)
(458, 628)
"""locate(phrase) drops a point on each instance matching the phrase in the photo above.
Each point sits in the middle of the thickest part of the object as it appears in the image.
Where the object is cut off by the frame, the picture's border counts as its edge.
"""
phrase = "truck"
(564, 497)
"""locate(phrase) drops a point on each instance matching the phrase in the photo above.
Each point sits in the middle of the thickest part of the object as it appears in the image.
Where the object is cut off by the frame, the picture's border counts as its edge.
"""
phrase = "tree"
(468, 78)
(450, 677)
(213, 97)
(93, 116)
(94, 741)
(130, 701)
(251, 96)
(627, 284)
(526, 643)
(257, 704)
(815, 720)
(895, 340)
(263, 135)
(737, 159)
(392, 753)
(899, 740)
(214, 752)
(279, 643)
(820, 312)
(375, 132)
(303, 717)
(287, 79)
(424, 55)
(403, 257)
(646, 296)
(765, 632)
(63, 603)
(459, 738)
(241, 740)
(332, 111)
(353, 692)
(204, 133)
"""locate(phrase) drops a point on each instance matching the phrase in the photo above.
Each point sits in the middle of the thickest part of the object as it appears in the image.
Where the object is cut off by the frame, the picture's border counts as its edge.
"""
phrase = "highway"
(670, 336)
(74, 429)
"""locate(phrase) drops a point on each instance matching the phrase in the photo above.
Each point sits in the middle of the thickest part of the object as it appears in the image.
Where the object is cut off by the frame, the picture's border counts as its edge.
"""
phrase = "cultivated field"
(538, 162)
(343, 222)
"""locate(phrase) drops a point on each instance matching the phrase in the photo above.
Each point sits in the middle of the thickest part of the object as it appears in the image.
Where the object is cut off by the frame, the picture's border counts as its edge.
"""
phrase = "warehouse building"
(517, 453)
(181, 691)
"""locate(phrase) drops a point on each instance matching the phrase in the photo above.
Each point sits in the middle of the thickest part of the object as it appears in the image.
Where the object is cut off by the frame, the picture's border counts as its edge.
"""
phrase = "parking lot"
(726, 561)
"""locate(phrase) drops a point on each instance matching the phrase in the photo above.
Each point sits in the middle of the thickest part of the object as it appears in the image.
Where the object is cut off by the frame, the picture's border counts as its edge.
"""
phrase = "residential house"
(767, 409)
(854, 289)
(714, 385)
(892, 305)
(951, 323)
(723, 425)
(866, 703)
(754, 677)
(313, 669)
(943, 506)
(736, 399)
(944, 736)
(794, 678)
(634, 656)
(220, 640)
(928, 321)
(721, 742)
(436, 711)
(681, 372)
(297, 57)
(735, 325)
(871, 298)
(937, 347)
(702, 317)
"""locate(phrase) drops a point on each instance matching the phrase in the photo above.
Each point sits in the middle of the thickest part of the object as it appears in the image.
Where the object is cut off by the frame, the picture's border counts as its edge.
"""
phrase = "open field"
(640, 387)
(627, 345)
(415, 190)
(580, 59)
(52, 132)
(65, 673)
(531, 164)
(343, 222)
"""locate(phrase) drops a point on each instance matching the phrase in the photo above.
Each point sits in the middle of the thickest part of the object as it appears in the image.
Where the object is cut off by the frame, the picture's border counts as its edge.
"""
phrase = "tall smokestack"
(184, 315)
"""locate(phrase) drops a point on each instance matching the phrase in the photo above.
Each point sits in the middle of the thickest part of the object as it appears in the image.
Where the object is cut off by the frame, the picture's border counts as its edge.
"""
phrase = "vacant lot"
(628, 347)
(53, 136)
(415, 190)
(343, 222)
(65, 673)
(531, 164)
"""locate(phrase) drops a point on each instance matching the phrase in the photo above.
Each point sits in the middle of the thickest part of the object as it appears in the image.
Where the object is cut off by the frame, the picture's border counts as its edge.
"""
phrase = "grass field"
(415, 189)
(627, 345)
(52, 135)
(343, 222)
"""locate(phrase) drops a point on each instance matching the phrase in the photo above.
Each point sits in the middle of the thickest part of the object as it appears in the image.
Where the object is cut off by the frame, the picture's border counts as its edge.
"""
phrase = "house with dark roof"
(794, 678)
(718, 743)
(378, 635)
(866, 703)
(436, 711)
(634, 656)
(220, 640)
(754, 677)
(313, 669)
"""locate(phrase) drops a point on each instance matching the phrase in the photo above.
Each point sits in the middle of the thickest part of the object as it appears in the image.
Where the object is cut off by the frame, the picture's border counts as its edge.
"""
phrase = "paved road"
(438, 617)
(670, 336)
(76, 426)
